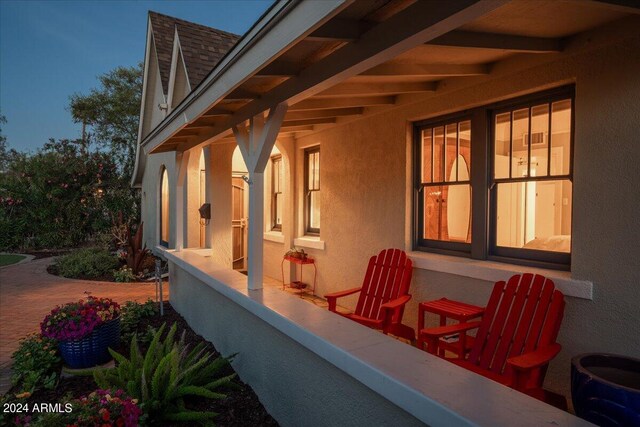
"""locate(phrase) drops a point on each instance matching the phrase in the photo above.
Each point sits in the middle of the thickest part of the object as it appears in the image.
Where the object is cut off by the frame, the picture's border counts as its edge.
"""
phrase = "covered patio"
(321, 115)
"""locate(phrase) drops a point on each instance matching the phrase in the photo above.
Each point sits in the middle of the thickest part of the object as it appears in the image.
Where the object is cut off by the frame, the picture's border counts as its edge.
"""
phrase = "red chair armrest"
(534, 359)
(332, 298)
(395, 304)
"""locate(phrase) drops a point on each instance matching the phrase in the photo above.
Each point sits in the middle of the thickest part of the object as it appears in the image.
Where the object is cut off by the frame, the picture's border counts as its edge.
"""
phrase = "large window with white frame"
(312, 190)
(512, 200)
(277, 199)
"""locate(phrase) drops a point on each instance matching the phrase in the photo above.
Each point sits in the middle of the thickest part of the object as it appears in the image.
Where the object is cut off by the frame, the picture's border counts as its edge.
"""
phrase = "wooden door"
(238, 222)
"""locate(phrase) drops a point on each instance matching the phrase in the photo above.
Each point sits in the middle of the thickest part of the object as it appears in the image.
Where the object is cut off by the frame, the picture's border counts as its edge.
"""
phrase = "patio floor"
(28, 293)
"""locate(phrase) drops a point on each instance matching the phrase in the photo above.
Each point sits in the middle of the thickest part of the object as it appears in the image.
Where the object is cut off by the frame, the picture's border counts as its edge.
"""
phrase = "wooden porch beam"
(319, 121)
(298, 128)
(188, 131)
(427, 70)
(358, 89)
(280, 69)
(242, 94)
(339, 29)
(498, 41)
(217, 112)
(318, 114)
(332, 103)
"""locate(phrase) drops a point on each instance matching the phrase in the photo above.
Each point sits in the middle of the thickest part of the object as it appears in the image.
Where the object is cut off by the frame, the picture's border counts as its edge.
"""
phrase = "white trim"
(495, 271)
(176, 52)
(433, 390)
(274, 236)
(135, 183)
(311, 242)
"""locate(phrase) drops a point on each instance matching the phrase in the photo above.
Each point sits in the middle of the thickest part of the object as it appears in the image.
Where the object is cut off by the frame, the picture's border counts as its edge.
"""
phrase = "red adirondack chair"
(383, 294)
(516, 338)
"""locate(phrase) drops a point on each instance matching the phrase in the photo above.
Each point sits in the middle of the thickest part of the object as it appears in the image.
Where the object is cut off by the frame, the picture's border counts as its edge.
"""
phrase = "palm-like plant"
(167, 374)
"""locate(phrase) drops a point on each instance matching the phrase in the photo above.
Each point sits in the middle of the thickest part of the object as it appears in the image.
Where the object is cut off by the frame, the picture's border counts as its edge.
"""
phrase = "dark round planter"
(92, 350)
(605, 389)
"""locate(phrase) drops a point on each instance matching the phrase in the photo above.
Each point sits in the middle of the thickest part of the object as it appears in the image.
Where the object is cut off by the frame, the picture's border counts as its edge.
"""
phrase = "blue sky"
(51, 49)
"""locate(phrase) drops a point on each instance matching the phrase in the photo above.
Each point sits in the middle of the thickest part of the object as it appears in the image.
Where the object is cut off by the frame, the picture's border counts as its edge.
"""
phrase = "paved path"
(28, 293)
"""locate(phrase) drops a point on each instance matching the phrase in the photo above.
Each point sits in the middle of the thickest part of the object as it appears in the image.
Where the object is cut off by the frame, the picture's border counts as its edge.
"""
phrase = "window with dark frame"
(277, 199)
(312, 190)
(164, 208)
(520, 173)
(445, 185)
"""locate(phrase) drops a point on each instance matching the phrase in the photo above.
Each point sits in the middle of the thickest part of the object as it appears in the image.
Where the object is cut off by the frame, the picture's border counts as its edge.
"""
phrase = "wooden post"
(256, 142)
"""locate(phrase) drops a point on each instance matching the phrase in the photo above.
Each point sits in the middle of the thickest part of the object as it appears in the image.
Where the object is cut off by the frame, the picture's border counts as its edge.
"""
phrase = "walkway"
(28, 293)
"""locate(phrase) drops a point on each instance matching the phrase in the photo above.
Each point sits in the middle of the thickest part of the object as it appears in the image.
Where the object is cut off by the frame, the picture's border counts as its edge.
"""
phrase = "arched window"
(164, 208)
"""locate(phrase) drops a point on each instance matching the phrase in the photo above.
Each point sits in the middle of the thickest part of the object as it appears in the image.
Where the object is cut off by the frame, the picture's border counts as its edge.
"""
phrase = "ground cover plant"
(240, 407)
(103, 408)
(8, 259)
(88, 263)
(36, 364)
(132, 313)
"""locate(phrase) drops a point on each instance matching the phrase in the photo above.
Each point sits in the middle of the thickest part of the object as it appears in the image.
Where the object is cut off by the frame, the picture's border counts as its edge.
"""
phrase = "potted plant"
(84, 330)
(295, 253)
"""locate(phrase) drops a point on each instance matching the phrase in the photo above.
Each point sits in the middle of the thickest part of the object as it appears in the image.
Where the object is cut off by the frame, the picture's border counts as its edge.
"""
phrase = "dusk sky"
(52, 49)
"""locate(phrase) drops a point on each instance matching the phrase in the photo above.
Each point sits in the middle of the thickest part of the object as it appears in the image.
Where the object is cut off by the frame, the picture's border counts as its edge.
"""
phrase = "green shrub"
(36, 363)
(125, 274)
(91, 263)
(131, 315)
(165, 376)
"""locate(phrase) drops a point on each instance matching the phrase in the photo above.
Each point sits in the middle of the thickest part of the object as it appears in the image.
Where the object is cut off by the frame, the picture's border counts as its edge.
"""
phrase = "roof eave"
(284, 24)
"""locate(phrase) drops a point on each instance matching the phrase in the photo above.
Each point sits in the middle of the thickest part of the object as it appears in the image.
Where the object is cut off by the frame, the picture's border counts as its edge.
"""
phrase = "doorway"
(239, 222)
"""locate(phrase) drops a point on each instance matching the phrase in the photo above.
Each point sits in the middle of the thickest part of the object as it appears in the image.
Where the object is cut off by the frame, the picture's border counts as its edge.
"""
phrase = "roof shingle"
(202, 47)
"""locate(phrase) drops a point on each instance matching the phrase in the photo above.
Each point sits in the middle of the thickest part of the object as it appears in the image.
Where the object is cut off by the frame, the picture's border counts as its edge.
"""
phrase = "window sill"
(495, 271)
(274, 236)
(310, 242)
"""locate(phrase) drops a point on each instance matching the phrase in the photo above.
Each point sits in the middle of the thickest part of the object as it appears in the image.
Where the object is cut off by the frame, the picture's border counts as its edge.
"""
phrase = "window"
(312, 190)
(516, 190)
(164, 208)
(531, 182)
(277, 199)
(445, 189)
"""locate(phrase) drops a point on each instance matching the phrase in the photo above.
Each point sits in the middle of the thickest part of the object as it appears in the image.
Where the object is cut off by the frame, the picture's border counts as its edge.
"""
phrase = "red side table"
(299, 284)
(446, 308)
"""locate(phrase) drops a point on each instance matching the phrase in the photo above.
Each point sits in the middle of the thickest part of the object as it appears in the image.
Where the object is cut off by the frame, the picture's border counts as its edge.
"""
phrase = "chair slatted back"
(522, 314)
(388, 277)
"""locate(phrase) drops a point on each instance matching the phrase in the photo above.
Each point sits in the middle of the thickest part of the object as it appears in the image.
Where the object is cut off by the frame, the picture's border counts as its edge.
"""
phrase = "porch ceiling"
(365, 54)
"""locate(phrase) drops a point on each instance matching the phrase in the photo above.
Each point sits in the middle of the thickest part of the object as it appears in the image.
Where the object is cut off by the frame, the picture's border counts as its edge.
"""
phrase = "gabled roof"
(202, 46)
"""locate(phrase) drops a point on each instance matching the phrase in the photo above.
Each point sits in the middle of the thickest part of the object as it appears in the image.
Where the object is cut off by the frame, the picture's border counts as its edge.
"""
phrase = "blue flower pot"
(605, 389)
(92, 350)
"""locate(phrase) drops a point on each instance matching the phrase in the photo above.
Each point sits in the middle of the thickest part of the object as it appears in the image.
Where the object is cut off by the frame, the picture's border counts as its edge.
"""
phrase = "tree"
(58, 196)
(111, 112)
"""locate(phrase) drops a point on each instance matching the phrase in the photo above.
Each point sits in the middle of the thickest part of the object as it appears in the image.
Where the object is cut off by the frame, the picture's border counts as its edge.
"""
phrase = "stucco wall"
(150, 197)
(297, 387)
(364, 175)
